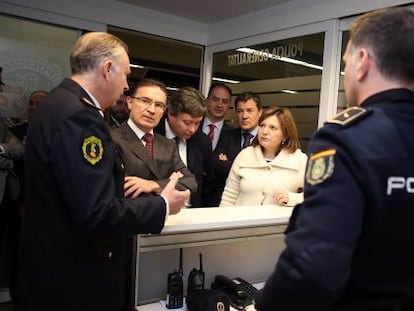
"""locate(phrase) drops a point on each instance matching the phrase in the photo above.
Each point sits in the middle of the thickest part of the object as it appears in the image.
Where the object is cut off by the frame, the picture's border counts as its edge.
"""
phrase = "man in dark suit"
(76, 220)
(213, 125)
(218, 103)
(145, 173)
(248, 107)
(186, 108)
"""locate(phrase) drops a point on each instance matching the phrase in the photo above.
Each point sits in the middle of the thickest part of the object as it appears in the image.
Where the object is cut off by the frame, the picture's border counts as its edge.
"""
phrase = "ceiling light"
(289, 91)
(136, 66)
(280, 58)
(225, 80)
(170, 88)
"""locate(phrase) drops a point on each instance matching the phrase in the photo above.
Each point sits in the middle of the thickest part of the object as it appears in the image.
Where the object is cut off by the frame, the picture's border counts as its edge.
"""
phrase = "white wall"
(95, 14)
(291, 14)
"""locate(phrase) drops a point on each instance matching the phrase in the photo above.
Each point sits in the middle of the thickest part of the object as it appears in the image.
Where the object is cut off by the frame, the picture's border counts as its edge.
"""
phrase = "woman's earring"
(283, 142)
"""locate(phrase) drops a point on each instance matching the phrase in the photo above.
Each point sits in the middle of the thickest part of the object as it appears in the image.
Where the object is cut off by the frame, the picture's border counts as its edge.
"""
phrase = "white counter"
(199, 219)
(240, 241)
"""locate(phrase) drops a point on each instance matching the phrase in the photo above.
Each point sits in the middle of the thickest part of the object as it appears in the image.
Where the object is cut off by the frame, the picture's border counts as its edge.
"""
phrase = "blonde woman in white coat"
(270, 171)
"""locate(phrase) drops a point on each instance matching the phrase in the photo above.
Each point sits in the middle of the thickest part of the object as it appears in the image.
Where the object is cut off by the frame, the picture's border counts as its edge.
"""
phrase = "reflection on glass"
(34, 56)
(341, 93)
(285, 73)
(173, 62)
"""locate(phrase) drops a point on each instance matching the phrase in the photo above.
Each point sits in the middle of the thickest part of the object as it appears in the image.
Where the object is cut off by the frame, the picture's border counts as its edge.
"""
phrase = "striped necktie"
(148, 143)
(211, 132)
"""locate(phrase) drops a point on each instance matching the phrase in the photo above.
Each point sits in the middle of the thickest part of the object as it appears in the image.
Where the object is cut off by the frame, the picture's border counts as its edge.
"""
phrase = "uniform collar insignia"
(349, 116)
(89, 102)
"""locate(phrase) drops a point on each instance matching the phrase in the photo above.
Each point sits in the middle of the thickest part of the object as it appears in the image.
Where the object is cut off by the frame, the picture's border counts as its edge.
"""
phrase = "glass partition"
(285, 73)
(341, 92)
(173, 62)
(34, 56)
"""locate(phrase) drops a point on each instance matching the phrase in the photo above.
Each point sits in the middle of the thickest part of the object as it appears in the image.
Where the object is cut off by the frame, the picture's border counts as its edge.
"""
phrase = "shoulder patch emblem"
(320, 167)
(349, 115)
(92, 149)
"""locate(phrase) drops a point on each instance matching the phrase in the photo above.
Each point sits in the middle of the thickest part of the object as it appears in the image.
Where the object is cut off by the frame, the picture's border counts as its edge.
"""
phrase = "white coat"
(252, 180)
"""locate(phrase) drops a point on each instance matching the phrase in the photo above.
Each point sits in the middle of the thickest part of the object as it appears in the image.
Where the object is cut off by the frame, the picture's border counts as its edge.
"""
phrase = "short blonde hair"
(91, 48)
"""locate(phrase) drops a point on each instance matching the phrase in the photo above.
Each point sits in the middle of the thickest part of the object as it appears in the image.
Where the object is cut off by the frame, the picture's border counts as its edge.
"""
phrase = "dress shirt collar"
(207, 121)
(140, 134)
(253, 132)
(168, 131)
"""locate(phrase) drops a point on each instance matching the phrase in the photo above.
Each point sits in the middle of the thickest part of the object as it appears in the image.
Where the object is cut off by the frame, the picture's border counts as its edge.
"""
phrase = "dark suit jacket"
(74, 230)
(199, 155)
(166, 159)
(230, 145)
(212, 189)
(225, 128)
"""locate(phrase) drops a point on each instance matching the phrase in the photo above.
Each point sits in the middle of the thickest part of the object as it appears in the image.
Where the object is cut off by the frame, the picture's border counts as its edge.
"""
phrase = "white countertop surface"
(210, 218)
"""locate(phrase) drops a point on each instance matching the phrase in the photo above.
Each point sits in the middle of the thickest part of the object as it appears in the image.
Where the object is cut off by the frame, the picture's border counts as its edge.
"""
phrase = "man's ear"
(129, 102)
(107, 68)
(364, 64)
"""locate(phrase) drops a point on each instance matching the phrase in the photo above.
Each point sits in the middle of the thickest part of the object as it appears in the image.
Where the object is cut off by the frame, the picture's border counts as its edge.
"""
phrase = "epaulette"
(88, 102)
(349, 116)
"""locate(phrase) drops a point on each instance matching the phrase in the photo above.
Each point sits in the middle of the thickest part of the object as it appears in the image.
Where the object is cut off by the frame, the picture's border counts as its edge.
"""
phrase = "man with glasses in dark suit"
(148, 173)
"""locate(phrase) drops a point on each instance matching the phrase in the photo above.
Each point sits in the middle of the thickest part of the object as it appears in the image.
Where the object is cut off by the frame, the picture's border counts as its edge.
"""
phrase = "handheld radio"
(196, 278)
(175, 287)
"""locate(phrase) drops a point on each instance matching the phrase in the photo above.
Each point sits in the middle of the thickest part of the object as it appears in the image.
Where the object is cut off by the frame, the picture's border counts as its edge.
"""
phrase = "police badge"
(320, 167)
(92, 149)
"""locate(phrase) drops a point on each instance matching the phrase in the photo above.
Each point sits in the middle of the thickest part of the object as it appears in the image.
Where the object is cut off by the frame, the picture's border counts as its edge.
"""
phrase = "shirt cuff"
(167, 207)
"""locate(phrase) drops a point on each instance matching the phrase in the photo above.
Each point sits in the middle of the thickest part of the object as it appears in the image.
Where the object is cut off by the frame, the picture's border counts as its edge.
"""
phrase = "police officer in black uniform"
(75, 222)
(348, 244)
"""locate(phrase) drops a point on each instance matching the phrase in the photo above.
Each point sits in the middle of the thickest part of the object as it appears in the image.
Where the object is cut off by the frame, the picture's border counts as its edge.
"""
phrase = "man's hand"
(134, 186)
(176, 199)
(223, 157)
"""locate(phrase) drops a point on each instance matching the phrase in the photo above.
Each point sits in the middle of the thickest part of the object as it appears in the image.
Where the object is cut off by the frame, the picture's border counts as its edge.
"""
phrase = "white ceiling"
(205, 11)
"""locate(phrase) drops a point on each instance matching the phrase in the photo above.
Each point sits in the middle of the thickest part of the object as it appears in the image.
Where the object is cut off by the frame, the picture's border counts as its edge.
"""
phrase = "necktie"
(177, 140)
(211, 132)
(246, 139)
(148, 143)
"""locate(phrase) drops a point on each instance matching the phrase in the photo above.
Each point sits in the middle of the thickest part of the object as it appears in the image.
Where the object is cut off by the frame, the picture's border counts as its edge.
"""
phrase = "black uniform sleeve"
(83, 162)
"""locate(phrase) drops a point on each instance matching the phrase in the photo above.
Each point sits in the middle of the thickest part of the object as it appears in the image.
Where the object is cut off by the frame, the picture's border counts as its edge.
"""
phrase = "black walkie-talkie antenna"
(181, 261)
(201, 261)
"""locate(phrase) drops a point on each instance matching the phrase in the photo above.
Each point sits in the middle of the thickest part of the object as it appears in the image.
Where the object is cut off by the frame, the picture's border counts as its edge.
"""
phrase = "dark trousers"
(10, 222)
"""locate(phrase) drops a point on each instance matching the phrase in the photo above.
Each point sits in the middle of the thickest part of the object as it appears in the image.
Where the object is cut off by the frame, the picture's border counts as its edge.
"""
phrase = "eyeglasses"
(149, 102)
